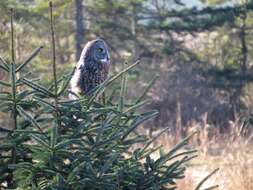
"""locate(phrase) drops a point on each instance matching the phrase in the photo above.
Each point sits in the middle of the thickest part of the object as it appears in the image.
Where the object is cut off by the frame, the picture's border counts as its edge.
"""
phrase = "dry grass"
(236, 171)
(232, 153)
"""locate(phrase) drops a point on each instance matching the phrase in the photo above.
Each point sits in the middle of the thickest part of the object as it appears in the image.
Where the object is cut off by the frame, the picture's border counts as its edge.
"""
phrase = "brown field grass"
(232, 153)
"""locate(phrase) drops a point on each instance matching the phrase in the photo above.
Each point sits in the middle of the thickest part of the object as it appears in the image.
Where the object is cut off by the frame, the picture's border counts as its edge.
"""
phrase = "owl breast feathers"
(92, 67)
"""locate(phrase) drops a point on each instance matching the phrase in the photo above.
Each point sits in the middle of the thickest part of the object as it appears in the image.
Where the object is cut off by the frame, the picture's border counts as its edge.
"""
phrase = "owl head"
(95, 56)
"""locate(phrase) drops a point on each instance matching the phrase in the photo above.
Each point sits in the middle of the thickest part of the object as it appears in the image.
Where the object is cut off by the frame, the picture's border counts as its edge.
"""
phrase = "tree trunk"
(79, 34)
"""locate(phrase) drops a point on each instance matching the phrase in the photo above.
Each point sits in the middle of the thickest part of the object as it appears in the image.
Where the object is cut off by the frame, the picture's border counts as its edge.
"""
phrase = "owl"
(91, 69)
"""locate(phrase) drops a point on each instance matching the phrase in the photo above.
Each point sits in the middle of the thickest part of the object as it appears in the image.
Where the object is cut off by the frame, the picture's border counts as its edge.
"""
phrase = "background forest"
(200, 50)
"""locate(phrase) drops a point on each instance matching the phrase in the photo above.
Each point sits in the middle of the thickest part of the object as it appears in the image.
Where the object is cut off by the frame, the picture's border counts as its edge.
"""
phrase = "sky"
(197, 3)
(192, 3)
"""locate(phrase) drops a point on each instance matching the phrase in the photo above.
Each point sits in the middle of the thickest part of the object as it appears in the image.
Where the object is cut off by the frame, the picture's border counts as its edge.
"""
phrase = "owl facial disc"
(100, 52)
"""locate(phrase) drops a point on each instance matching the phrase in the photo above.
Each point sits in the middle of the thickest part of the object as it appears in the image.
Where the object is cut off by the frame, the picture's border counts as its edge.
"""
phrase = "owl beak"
(105, 61)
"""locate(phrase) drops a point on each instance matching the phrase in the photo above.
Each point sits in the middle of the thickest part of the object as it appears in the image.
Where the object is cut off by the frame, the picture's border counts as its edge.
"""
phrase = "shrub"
(56, 143)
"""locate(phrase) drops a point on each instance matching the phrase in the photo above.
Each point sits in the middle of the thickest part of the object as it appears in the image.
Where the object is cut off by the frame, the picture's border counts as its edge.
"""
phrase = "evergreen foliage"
(56, 143)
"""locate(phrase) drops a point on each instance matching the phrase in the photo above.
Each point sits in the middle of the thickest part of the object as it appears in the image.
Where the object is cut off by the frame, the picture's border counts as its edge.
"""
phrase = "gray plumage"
(92, 67)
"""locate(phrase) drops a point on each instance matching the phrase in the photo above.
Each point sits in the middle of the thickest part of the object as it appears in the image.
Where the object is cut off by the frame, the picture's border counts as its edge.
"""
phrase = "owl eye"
(100, 50)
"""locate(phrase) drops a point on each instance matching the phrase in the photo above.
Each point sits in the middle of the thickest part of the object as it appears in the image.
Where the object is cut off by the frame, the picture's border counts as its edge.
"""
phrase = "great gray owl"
(92, 67)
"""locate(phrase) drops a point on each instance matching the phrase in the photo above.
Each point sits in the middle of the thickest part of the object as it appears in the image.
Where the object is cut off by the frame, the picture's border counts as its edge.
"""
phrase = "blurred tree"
(201, 52)
(79, 33)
